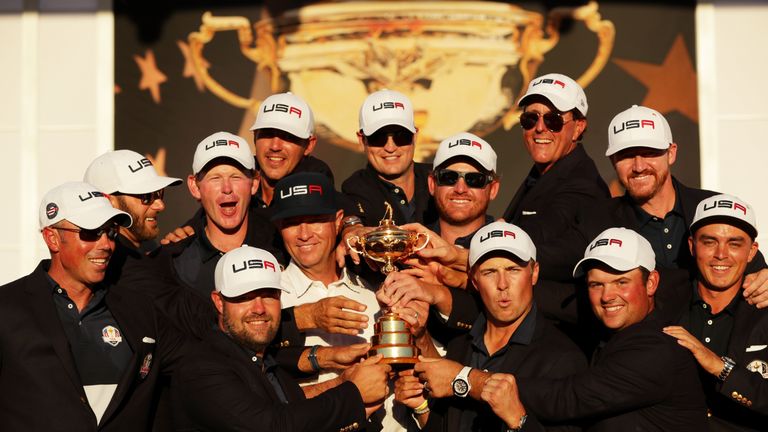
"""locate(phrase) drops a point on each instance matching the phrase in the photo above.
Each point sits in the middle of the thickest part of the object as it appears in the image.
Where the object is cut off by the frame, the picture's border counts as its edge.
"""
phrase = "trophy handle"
(426, 241)
(534, 46)
(264, 54)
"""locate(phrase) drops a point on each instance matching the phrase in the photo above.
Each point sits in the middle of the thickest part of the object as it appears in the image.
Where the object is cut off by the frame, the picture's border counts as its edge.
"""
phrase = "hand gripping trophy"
(390, 244)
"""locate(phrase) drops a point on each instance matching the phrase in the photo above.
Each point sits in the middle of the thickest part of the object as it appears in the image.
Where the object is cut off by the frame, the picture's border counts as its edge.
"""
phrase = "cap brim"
(303, 211)
(728, 220)
(517, 253)
(436, 163)
(611, 261)
(237, 291)
(636, 144)
(93, 219)
(557, 101)
(280, 126)
(371, 128)
(149, 185)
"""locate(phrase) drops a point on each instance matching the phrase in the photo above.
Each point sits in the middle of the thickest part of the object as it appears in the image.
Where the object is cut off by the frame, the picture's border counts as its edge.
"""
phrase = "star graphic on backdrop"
(158, 161)
(189, 66)
(671, 85)
(151, 77)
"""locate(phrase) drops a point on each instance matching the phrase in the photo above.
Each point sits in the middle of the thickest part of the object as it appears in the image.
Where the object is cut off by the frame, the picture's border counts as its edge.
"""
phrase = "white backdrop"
(57, 107)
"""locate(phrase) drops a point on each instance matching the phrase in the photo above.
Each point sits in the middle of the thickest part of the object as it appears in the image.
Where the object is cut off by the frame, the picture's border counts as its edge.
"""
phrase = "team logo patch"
(145, 365)
(111, 335)
(51, 210)
(758, 366)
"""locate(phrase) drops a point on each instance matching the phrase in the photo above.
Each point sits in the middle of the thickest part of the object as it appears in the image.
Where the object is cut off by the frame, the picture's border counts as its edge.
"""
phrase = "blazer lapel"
(124, 320)
(47, 319)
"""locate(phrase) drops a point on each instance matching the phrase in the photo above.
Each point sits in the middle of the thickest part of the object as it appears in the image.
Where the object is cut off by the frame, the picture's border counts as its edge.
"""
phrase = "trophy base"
(399, 357)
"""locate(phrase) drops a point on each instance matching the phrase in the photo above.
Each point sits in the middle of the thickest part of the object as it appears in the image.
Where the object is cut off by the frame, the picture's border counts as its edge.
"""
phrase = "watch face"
(460, 387)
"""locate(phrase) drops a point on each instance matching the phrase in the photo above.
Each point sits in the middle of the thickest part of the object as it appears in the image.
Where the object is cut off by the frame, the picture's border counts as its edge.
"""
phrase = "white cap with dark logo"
(563, 92)
(467, 145)
(638, 126)
(80, 203)
(223, 145)
(726, 209)
(501, 236)
(126, 171)
(384, 108)
(246, 269)
(621, 249)
(286, 112)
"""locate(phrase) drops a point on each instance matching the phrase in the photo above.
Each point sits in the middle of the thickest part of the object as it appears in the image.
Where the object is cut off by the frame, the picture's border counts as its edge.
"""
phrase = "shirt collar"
(696, 300)
(207, 250)
(643, 217)
(302, 283)
(522, 336)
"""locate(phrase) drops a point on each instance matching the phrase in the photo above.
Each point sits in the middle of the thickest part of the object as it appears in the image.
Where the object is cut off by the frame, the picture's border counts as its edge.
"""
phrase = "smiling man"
(639, 378)
(388, 136)
(79, 355)
(133, 186)
(563, 179)
(727, 336)
(233, 382)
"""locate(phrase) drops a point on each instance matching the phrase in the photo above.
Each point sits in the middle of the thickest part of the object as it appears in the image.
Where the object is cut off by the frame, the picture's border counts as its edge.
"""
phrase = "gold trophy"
(389, 244)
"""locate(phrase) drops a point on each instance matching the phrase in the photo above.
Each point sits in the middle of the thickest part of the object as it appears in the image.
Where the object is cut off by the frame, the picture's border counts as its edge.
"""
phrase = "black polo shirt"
(196, 264)
(713, 330)
(666, 235)
(99, 349)
(367, 193)
(480, 418)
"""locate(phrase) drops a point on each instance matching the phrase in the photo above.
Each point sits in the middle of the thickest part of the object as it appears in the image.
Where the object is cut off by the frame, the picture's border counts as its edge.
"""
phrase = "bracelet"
(727, 368)
(313, 358)
(422, 409)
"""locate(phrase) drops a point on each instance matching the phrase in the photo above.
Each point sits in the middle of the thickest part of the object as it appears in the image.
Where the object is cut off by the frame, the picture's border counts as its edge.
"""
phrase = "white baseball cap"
(564, 93)
(127, 172)
(223, 144)
(638, 126)
(80, 203)
(467, 145)
(727, 209)
(286, 112)
(246, 269)
(501, 236)
(384, 108)
(621, 249)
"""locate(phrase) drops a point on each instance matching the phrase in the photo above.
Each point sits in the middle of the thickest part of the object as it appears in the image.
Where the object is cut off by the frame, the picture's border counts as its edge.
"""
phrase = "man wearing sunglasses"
(388, 135)
(133, 186)
(563, 178)
(78, 355)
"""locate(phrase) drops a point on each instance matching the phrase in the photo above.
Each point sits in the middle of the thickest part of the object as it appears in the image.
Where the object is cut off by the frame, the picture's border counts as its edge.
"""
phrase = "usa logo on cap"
(51, 210)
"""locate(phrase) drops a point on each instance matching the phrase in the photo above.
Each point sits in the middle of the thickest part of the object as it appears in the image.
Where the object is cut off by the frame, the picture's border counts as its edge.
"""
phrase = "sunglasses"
(400, 137)
(149, 198)
(552, 120)
(92, 235)
(475, 180)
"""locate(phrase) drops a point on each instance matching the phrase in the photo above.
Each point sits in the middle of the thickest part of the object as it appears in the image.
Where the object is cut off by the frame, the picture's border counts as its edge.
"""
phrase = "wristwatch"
(520, 426)
(460, 384)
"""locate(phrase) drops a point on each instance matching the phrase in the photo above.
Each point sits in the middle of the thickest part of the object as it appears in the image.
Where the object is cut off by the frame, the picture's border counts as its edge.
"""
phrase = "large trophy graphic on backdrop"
(462, 63)
(389, 244)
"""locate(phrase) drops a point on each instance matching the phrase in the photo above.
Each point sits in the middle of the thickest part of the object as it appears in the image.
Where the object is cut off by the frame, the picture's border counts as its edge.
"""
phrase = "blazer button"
(749, 403)
(735, 395)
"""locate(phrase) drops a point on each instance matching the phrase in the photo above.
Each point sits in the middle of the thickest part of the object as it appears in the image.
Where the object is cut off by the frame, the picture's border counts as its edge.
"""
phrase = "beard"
(240, 334)
(647, 192)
